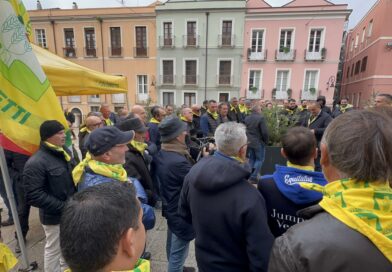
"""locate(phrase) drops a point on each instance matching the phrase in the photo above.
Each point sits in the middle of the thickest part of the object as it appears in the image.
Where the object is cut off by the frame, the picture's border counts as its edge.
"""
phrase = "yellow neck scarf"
(232, 108)
(306, 168)
(154, 121)
(141, 266)
(108, 122)
(214, 115)
(60, 149)
(242, 108)
(115, 171)
(343, 109)
(184, 119)
(7, 258)
(139, 146)
(85, 129)
(196, 114)
(363, 206)
(238, 159)
(312, 119)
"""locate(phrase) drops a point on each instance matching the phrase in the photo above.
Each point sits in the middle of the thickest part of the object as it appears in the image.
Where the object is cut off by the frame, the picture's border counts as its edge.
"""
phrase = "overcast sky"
(359, 7)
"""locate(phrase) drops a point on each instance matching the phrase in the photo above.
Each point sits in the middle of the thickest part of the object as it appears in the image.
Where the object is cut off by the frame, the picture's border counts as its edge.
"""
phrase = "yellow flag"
(26, 96)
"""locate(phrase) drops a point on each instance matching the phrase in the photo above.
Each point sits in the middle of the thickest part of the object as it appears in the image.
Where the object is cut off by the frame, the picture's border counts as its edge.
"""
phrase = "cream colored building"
(116, 41)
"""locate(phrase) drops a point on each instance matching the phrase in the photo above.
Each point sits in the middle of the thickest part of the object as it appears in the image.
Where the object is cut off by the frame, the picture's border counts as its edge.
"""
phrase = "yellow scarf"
(139, 146)
(301, 108)
(154, 121)
(108, 122)
(85, 129)
(115, 171)
(242, 108)
(312, 119)
(214, 115)
(306, 168)
(184, 119)
(7, 258)
(59, 149)
(232, 108)
(363, 206)
(141, 266)
(343, 109)
(196, 114)
(238, 159)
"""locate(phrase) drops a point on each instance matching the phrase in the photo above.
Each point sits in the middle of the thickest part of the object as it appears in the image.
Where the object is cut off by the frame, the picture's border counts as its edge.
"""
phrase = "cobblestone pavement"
(156, 242)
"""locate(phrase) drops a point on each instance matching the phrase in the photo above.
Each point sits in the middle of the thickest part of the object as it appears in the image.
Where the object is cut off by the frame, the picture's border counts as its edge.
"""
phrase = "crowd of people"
(200, 166)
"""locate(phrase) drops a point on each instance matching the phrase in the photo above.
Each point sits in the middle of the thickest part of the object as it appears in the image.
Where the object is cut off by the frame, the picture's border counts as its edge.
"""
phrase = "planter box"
(272, 157)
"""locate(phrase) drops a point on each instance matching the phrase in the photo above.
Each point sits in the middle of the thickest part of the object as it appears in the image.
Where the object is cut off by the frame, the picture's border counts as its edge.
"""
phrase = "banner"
(26, 96)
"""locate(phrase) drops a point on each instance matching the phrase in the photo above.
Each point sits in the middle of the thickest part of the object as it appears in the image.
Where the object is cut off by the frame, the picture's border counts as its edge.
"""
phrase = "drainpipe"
(206, 59)
(100, 20)
(54, 36)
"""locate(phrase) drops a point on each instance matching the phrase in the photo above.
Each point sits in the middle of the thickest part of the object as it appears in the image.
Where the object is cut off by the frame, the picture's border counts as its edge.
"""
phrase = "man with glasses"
(92, 123)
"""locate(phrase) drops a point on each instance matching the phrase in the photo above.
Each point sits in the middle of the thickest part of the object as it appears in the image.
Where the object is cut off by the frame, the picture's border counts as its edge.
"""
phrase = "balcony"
(69, 52)
(224, 80)
(90, 52)
(140, 52)
(190, 40)
(118, 98)
(254, 93)
(309, 94)
(167, 80)
(226, 40)
(285, 55)
(315, 56)
(94, 99)
(190, 79)
(257, 56)
(115, 52)
(74, 99)
(167, 42)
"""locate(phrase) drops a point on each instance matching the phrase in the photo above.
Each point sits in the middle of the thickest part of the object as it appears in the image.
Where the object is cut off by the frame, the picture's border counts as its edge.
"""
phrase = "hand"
(312, 130)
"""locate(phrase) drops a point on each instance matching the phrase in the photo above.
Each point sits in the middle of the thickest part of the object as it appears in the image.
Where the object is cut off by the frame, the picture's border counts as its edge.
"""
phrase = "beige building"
(116, 41)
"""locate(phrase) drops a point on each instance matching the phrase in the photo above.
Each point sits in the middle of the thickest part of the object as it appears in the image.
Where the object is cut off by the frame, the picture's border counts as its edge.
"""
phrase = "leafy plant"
(253, 89)
(312, 90)
(285, 49)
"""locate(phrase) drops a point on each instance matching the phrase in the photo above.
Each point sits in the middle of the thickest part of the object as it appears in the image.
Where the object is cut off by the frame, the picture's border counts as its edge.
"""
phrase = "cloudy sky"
(359, 7)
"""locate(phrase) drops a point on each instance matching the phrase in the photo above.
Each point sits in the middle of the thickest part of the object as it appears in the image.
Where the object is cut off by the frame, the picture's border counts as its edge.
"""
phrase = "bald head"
(140, 112)
(93, 122)
(187, 114)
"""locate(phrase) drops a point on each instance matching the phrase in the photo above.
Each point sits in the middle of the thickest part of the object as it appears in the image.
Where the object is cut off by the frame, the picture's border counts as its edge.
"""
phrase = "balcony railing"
(254, 93)
(140, 52)
(226, 40)
(74, 99)
(281, 94)
(167, 42)
(257, 56)
(190, 40)
(308, 95)
(315, 56)
(224, 80)
(115, 51)
(118, 98)
(285, 55)
(90, 52)
(190, 79)
(69, 52)
(167, 79)
(93, 99)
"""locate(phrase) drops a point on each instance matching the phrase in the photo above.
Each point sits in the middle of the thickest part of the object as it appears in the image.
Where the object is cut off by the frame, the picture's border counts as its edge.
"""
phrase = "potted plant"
(312, 90)
(253, 89)
(289, 92)
(285, 49)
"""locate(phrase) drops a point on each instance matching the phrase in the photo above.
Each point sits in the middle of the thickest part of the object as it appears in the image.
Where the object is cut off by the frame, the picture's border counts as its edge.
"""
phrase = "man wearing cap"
(173, 163)
(48, 185)
(137, 158)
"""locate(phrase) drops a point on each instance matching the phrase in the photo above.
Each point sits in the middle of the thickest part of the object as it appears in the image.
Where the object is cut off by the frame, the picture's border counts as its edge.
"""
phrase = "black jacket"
(319, 125)
(16, 163)
(155, 136)
(136, 167)
(256, 130)
(171, 168)
(82, 140)
(48, 183)
(324, 244)
(228, 215)
(234, 114)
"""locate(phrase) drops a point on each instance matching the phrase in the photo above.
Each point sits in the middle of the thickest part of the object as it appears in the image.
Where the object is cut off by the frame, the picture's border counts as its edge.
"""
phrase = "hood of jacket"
(217, 172)
(287, 179)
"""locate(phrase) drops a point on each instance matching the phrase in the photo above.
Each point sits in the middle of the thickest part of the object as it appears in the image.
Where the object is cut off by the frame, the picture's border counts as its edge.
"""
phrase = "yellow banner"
(26, 96)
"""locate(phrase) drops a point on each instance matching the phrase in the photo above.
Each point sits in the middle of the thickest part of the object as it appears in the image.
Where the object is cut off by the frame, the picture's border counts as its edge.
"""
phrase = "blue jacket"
(91, 179)
(284, 196)
(155, 136)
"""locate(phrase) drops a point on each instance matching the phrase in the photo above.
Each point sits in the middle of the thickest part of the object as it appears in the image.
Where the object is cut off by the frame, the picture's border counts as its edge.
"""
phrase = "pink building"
(368, 57)
(293, 50)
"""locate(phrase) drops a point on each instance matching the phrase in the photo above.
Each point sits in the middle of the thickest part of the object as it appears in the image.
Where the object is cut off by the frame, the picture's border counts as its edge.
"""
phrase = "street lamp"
(331, 82)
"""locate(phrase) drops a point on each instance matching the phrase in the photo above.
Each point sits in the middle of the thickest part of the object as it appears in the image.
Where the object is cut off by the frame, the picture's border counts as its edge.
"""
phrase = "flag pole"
(11, 198)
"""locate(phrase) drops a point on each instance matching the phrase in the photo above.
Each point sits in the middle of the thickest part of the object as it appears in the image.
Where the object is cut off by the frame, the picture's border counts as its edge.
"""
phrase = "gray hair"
(230, 137)
(359, 145)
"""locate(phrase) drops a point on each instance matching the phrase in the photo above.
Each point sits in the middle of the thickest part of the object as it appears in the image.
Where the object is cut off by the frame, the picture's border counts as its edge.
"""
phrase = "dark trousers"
(23, 208)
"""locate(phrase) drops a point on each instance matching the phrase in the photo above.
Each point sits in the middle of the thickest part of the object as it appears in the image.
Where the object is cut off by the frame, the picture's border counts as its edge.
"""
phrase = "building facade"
(292, 51)
(368, 57)
(199, 48)
(116, 41)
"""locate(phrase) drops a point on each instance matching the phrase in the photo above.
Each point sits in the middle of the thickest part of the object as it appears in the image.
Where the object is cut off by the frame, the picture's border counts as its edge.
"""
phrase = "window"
(364, 63)
(224, 72)
(115, 41)
(74, 99)
(310, 80)
(168, 71)
(254, 80)
(227, 32)
(89, 37)
(189, 99)
(356, 41)
(282, 80)
(348, 71)
(40, 37)
(191, 33)
(370, 28)
(190, 72)
(224, 97)
(357, 67)
(352, 45)
(69, 38)
(315, 40)
(363, 35)
(167, 34)
(257, 40)
(94, 98)
(285, 40)
(167, 98)
(94, 108)
(118, 98)
(352, 69)
(142, 84)
(141, 41)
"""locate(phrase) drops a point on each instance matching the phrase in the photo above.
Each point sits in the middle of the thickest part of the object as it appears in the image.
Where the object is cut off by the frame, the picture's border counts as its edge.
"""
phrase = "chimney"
(39, 6)
(74, 5)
